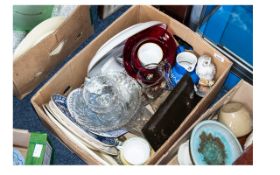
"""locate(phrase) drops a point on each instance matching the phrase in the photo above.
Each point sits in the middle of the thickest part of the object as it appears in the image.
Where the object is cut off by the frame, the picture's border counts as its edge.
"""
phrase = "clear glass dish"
(123, 106)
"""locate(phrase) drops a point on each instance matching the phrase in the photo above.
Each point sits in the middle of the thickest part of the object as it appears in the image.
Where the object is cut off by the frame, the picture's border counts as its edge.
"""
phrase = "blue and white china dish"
(18, 158)
(61, 102)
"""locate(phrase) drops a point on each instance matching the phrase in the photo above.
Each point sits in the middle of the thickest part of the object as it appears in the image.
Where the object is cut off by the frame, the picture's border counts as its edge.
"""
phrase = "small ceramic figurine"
(203, 87)
(206, 72)
(205, 69)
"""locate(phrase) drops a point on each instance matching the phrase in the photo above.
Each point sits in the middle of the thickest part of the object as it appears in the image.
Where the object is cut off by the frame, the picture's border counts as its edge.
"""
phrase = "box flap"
(21, 138)
(34, 66)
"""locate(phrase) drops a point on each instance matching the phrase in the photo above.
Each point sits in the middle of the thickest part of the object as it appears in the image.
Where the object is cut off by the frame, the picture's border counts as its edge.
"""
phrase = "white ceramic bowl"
(236, 117)
(150, 53)
(135, 151)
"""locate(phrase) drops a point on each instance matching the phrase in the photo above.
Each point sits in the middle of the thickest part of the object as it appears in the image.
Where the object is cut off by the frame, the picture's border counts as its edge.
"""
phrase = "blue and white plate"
(18, 158)
(212, 143)
(61, 103)
(114, 133)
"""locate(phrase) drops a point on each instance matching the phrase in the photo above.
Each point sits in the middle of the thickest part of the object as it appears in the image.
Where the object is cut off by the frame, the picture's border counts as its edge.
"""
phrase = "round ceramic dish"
(149, 53)
(135, 151)
(157, 35)
(38, 33)
(118, 39)
(212, 143)
(130, 95)
(236, 117)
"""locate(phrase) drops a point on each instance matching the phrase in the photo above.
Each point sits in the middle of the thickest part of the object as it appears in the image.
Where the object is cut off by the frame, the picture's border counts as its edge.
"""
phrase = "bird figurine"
(205, 69)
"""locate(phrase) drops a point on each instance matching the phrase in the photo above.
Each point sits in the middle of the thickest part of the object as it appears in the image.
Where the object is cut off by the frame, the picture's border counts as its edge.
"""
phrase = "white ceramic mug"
(135, 151)
(150, 53)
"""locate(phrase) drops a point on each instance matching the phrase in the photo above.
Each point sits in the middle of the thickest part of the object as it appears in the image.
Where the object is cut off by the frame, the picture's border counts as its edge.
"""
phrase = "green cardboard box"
(35, 147)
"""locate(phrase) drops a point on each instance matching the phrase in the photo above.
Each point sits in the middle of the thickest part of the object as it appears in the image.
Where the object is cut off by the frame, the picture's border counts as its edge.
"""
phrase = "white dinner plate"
(118, 39)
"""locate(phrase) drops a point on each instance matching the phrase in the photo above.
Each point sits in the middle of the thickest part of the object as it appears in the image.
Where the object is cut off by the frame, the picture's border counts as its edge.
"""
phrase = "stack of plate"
(105, 142)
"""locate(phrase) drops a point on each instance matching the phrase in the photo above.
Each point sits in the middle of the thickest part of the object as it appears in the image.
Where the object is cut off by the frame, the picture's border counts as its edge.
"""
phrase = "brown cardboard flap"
(21, 138)
(247, 99)
(73, 73)
(22, 150)
(33, 67)
(174, 161)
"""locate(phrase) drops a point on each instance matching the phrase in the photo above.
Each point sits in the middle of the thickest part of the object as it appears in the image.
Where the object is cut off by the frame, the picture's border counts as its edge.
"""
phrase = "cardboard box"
(34, 147)
(242, 92)
(33, 66)
(72, 75)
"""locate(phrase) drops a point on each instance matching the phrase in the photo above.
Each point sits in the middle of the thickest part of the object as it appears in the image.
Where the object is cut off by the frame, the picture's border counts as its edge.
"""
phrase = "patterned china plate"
(61, 103)
(93, 144)
(18, 158)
